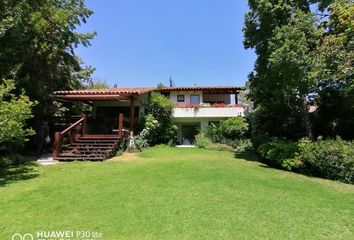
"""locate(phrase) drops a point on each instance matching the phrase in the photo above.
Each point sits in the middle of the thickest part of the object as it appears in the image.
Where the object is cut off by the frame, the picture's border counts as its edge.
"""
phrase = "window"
(195, 99)
(180, 98)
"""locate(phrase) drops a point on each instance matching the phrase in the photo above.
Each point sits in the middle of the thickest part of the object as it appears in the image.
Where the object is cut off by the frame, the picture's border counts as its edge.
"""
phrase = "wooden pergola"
(113, 94)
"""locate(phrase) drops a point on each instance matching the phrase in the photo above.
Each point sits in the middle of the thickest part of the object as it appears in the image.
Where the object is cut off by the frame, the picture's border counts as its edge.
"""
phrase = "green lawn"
(175, 193)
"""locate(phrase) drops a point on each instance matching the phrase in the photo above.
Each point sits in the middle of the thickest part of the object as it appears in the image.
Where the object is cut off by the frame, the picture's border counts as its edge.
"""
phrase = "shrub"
(158, 133)
(10, 159)
(158, 121)
(241, 145)
(332, 159)
(280, 154)
(213, 132)
(228, 131)
(14, 112)
(140, 141)
(160, 108)
(202, 141)
(233, 128)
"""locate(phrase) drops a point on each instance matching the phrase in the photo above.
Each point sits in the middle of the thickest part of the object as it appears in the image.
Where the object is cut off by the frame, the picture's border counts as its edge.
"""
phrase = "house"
(195, 108)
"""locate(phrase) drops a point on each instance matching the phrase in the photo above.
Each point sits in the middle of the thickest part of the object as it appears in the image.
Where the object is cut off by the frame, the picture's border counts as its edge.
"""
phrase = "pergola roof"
(130, 90)
(126, 93)
(102, 94)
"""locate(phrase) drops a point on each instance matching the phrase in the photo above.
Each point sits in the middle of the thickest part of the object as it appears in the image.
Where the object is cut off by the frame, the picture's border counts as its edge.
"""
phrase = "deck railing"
(205, 111)
(123, 132)
(69, 134)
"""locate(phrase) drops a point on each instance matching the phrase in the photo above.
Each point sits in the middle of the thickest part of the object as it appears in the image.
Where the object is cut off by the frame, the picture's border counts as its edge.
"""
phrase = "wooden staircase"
(74, 144)
(90, 148)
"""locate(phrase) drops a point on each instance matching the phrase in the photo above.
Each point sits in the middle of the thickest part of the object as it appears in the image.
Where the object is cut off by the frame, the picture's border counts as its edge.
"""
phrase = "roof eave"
(91, 97)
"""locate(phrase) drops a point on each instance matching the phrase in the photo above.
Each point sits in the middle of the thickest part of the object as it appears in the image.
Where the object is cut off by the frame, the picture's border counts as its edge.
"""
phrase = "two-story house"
(195, 108)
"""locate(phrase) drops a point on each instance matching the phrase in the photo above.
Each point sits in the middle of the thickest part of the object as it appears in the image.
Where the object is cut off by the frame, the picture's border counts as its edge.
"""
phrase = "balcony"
(208, 111)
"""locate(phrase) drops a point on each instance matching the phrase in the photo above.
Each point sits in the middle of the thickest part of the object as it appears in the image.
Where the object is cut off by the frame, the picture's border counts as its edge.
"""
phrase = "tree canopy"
(301, 54)
(14, 111)
(37, 42)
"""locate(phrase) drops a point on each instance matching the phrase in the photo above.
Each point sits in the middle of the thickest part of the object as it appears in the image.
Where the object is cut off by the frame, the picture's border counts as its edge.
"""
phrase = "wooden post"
(84, 124)
(57, 144)
(131, 113)
(120, 125)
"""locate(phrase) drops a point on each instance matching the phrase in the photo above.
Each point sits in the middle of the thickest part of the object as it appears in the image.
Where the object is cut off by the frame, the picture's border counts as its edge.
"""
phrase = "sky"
(144, 42)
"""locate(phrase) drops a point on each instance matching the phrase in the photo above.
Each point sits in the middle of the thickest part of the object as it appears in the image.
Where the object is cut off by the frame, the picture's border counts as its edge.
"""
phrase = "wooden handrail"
(82, 119)
(76, 116)
(58, 135)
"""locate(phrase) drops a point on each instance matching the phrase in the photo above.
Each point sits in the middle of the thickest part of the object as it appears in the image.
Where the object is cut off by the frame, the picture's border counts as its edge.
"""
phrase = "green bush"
(233, 128)
(202, 141)
(280, 154)
(14, 112)
(159, 133)
(158, 122)
(332, 159)
(241, 145)
(160, 108)
(213, 133)
(140, 141)
(230, 131)
(10, 159)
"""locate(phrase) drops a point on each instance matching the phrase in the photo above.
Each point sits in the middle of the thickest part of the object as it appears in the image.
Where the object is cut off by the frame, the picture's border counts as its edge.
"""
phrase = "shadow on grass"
(249, 156)
(18, 172)
(254, 157)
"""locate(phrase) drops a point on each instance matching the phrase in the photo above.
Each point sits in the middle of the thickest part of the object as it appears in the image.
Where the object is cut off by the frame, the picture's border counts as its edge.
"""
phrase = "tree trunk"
(306, 117)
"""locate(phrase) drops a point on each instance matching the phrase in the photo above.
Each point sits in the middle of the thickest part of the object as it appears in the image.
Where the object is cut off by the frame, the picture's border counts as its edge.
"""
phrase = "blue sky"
(142, 43)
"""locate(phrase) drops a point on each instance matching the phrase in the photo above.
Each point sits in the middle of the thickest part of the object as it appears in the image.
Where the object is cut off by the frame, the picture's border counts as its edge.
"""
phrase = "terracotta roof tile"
(143, 90)
(201, 88)
(133, 90)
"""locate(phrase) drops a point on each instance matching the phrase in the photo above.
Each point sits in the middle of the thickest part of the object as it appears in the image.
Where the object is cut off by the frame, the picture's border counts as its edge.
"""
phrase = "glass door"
(188, 134)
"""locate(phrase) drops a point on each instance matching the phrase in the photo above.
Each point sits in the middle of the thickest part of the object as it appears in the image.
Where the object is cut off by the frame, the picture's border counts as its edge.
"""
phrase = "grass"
(174, 193)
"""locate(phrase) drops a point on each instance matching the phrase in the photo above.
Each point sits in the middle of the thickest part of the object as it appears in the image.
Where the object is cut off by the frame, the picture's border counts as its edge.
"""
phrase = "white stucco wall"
(187, 94)
(208, 112)
(226, 98)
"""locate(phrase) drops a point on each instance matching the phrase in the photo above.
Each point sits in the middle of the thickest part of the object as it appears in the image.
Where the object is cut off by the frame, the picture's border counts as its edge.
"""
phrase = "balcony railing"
(203, 111)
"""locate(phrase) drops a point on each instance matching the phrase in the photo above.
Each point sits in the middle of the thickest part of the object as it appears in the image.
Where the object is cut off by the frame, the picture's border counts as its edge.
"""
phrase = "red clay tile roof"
(129, 91)
(107, 91)
(200, 88)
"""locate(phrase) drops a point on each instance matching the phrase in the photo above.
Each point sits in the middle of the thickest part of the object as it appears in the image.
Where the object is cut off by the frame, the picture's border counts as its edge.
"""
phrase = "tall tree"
(291, 61)
(269, 29)
(37, 42)
(302, 56)
(335, 71)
